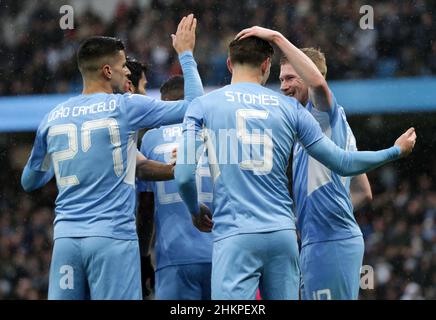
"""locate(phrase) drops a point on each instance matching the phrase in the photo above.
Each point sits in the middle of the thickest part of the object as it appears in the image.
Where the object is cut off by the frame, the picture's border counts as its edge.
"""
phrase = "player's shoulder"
(59, 112)
(153, 134)
(278, 96)
(129, 95)
(342, 113)
(290, 105)
(332, 111)
(161, 129)
(205, 101)
(290, 101)
(162, 135)
(133, 98)
(150, 135)
(210, 96)
(64, 104)
(149, 140)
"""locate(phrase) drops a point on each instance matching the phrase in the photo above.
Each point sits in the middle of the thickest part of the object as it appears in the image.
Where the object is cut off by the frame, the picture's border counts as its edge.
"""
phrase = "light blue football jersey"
(322, 197)
(177, 240)
(249, 131)
(90, 141)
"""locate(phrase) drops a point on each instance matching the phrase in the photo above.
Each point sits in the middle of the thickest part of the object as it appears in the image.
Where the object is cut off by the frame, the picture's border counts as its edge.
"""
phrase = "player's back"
(92, 147)
(177, 240)
(249, 133)
(323, 203)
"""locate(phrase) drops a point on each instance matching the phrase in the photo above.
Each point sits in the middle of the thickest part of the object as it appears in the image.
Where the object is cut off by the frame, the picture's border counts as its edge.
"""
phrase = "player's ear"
(107, 71)
(265, 65)
(229, 65)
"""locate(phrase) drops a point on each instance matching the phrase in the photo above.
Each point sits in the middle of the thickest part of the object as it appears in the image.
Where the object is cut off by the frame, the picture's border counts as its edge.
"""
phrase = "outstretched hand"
(184, 39)
(203, 221)
(406, 142)
(263, 33)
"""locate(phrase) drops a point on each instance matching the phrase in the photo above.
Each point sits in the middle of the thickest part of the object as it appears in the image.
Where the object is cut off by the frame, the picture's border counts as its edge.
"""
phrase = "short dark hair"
(251, 50)
(173, 89)
(93, 49)
(136, 69)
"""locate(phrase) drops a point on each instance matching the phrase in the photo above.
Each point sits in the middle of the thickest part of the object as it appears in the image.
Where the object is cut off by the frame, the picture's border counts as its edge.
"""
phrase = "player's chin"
(121, 88)
(290, 94)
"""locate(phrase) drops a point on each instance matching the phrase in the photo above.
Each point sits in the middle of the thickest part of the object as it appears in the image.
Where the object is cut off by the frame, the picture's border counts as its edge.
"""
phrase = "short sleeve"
(308, 129)
(334, 111)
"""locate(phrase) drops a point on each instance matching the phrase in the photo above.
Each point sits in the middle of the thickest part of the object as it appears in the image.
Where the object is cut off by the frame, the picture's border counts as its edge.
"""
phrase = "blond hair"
(317, 57)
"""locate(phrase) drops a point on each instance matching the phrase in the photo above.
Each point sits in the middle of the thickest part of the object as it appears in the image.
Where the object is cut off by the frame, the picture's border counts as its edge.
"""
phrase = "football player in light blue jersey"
(89, 140)
(332, 244)
(323, 201)
(249, 132)
(324, 208)
(183, 253)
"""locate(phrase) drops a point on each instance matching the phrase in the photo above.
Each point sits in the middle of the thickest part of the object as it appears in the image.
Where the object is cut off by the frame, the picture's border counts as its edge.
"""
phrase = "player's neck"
(90, 87)
(242, 74)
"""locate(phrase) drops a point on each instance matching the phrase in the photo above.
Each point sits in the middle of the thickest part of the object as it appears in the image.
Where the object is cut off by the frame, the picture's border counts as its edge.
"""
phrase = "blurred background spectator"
(38, 57)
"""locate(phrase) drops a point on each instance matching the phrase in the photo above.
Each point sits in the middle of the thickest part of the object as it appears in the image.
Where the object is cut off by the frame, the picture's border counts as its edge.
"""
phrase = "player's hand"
(147, 276)
(173, 157)
(203, 221)
(184, 39)
(263, 33)
(406, 142)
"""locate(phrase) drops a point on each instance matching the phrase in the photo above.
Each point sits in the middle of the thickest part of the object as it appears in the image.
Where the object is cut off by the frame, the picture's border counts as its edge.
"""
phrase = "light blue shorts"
(243, 263)
(331, 269)
(184, 282)
(96, 268)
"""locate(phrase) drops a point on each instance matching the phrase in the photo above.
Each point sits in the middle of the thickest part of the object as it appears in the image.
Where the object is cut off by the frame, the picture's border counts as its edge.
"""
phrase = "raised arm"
(304, 67)
(184, 43)
(145, 112)
(345, 163)
(186, 166)
(185, 174)
(357, 162)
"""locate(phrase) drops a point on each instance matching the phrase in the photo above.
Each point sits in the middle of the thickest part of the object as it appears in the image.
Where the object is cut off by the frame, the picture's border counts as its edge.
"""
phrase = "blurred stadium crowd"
(38, 57)
(399, 225)
(400, 235)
